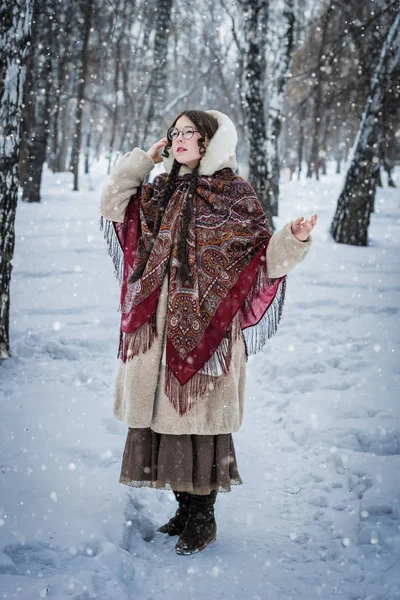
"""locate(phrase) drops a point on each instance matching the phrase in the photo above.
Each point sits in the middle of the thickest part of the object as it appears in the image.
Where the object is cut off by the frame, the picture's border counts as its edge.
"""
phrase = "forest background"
(313, 88)
(306, 82)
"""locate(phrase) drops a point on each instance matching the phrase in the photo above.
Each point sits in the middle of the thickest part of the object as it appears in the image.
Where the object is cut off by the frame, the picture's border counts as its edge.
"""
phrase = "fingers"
(306, 224)
(153, 152)
(160, 144)
(313, 220)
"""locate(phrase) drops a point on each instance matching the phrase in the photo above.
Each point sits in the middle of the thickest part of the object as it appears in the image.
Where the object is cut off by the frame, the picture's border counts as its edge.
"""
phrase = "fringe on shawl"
(207, 379)
(220, 361)
(114, 248)
(256, 337)
(182, 397)
(139, 341)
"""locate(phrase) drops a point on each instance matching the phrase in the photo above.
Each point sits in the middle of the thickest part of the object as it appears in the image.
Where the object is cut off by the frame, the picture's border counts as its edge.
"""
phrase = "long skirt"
(185, 463)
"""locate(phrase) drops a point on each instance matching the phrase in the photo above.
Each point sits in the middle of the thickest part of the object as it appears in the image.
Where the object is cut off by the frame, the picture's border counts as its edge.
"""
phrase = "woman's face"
(187, 151)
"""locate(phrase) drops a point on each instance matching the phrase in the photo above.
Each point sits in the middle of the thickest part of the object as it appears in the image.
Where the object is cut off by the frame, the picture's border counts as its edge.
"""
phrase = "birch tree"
(255, 20)
(15, 31)
(313, 166)
(283, 39)
(124, 16)
(82, 76)
(158, 87)
(36, 124)
(62, 50)
(351, 221)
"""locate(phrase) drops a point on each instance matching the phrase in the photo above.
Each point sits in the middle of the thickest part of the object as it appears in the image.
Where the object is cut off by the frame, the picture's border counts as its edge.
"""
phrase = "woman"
(202, 287)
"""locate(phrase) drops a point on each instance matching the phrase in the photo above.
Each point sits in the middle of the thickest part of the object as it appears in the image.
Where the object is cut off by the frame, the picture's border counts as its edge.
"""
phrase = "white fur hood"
(220, 152)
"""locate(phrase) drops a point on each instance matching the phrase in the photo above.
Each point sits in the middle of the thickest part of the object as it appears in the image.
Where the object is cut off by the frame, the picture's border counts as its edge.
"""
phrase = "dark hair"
(207, 125)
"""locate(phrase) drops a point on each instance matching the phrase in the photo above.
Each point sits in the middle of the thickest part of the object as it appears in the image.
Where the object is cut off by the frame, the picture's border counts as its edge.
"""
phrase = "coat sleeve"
(285, 251)
(127, 175)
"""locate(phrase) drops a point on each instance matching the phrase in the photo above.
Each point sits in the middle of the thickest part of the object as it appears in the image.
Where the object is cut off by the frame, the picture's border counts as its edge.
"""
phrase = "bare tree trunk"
(284, 40)
(355, 203)
(255, 19)
(324, 144)
(378, 178)
(318, 96)
(310, 165)
(114, 120)
(338, 142)
(28, 108)
(15, 30)
(98, 146)
(158, 89)
(38, 127)
(300, 145)
(76, 148)
(125, 140)
(87, 147)
(240, 62)
(388, 168)
(62, 50)
(390, 124)
(67, 107)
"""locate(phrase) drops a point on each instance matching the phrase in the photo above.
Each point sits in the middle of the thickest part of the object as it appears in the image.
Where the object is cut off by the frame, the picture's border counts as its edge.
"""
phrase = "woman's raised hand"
(153, 152)
(301, 228)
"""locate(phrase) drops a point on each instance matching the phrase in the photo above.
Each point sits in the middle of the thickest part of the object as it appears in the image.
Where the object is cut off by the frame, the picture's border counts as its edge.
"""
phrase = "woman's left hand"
(301, 228)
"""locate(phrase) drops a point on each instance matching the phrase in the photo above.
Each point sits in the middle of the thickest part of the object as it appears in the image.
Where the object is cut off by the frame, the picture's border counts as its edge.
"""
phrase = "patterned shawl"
(228, 239)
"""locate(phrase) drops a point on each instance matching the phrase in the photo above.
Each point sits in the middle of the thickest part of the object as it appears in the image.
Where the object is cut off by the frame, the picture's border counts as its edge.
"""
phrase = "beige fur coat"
(139, 399)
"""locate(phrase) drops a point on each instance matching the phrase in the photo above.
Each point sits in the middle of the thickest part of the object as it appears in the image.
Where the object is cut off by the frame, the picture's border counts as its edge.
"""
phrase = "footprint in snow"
(373, 510)
(318, 501)
(137, 523)
(7, 565)
(359, 484)
(382, 442)
(338, 386)
(38, 559)
(301, 538)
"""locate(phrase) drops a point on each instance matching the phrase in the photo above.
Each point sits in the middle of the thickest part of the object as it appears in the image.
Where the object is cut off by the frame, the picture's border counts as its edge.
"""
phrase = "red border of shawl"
(221, 320)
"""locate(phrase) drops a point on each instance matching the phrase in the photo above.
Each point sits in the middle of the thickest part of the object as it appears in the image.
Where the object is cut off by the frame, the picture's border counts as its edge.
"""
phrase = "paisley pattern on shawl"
(227, 243)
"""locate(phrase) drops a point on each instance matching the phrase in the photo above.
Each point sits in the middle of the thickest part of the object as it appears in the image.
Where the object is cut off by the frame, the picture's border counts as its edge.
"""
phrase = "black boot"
(176, 525)
(201, 527)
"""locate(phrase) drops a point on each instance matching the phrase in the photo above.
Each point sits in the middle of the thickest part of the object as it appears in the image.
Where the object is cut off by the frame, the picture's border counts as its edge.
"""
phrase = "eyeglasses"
(187, 132)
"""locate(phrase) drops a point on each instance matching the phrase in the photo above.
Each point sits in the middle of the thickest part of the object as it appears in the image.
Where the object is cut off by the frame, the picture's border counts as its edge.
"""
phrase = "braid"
(169, 189)
(183, 272)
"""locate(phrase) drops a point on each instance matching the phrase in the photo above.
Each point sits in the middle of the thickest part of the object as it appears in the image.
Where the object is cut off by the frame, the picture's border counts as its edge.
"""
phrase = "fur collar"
(220, 152)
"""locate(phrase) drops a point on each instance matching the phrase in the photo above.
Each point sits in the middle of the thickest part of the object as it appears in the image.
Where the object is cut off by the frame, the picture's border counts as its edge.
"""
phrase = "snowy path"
(319, 452)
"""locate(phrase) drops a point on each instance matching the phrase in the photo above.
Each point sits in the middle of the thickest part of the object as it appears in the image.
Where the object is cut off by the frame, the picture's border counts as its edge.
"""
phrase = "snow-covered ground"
(318, 515)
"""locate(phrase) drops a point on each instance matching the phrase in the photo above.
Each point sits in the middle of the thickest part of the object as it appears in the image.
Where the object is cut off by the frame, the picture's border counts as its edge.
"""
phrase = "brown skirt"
(185, 463)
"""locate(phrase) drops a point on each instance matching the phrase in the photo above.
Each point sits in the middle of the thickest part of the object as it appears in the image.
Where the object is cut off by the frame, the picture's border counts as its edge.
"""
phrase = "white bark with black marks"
(37, 126)
(158, 87)
(15, 30)
(283, 34)
(351, 221)
(82, 77)
(255, 20)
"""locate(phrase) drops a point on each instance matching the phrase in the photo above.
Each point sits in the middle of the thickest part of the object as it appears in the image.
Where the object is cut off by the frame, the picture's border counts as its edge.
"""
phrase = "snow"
(318, 514)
